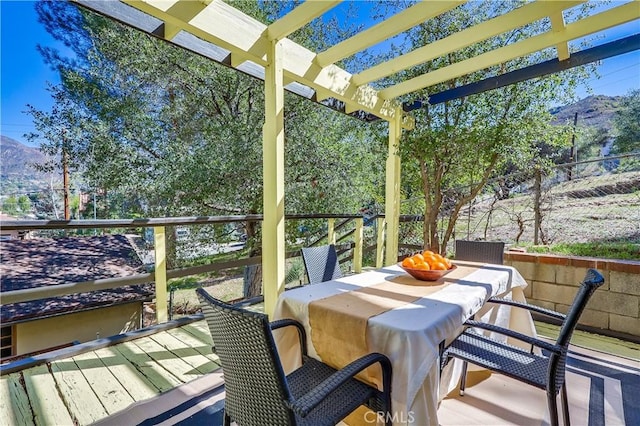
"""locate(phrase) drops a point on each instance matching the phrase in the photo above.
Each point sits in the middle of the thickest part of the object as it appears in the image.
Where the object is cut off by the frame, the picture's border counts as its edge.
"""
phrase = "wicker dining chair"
(546, 371)
(480, 251)
(321, 263)
(257, 392)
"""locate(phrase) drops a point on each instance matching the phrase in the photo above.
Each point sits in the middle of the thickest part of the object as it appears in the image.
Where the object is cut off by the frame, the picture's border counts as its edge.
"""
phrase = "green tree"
(10, 205)
(176, 134)
(456, 147)
(131, 127)
(627, 123)
(24, 204)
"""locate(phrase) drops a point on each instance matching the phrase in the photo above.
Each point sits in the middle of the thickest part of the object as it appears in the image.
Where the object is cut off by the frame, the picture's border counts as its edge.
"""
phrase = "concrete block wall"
(553, 281)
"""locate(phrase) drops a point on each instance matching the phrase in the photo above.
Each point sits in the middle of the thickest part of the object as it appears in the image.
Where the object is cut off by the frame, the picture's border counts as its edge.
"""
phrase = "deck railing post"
(357, 250)
(160, 272)
(331, 234)
(381, 223)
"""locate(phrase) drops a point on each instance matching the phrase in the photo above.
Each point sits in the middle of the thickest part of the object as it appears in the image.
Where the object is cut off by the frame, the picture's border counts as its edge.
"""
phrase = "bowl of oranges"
(427, 266)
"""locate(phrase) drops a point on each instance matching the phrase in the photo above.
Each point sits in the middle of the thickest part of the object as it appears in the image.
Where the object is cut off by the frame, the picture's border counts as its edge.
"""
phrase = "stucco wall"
(553, 281)
(82, 326)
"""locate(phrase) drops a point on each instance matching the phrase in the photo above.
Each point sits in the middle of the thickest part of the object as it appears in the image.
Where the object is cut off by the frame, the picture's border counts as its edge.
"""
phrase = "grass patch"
(624, 251)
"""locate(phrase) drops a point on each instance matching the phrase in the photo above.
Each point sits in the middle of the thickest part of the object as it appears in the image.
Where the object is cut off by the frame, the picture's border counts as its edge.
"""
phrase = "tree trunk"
(252, 282)
(252, 279)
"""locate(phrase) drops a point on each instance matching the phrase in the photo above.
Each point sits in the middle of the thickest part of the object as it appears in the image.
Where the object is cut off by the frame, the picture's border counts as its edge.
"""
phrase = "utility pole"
(65, 175)
(572, 158)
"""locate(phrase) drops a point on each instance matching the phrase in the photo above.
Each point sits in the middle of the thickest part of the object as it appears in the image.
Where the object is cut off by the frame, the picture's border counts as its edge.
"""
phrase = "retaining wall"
(553, 280)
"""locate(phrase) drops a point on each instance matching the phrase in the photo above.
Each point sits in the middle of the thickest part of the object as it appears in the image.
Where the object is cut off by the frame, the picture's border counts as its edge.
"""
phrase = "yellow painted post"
(392, 190)
(357, 250)
(380, 222)
(160, 273)
(273, 247)
(331, 234)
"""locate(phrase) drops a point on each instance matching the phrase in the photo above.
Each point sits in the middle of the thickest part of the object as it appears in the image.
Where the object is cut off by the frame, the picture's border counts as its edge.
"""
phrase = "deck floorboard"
(81, 400)
(46, 403)
(93, 386)
(15, 408)
(138, 385)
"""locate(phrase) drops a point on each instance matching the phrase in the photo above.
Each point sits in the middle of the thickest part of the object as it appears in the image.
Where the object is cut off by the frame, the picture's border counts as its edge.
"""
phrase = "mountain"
(17, 172)
(16, 159)
(593, 111)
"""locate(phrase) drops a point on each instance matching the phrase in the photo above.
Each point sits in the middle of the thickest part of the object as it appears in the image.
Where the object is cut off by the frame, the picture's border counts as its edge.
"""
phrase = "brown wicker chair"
(257, 390)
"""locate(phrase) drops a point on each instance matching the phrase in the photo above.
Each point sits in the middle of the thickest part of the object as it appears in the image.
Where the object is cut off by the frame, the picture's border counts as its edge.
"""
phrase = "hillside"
(593, 111)
(17, 171)
(17, 159)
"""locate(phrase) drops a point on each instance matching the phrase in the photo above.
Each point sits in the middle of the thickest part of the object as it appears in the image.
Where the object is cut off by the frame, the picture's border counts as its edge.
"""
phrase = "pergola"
(224, 34)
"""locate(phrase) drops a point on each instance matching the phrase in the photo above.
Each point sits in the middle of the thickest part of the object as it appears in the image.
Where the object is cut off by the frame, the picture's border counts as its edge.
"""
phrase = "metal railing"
(592, 200)
(347, 234)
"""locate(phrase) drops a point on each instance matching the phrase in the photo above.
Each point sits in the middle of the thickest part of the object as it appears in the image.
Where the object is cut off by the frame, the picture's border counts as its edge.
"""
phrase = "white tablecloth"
(410, 335)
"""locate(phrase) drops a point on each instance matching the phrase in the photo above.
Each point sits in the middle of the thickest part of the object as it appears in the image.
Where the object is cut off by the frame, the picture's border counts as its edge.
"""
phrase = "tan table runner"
(339, 323)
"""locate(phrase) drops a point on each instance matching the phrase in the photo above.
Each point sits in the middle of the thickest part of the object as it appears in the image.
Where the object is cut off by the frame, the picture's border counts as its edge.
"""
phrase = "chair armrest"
(305, 404)
(523, 337)
(302, 335)
(529, 307)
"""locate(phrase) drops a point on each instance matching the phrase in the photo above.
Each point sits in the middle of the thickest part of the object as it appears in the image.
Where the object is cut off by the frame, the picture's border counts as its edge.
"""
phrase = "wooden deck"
(88, 387)
(121, 384)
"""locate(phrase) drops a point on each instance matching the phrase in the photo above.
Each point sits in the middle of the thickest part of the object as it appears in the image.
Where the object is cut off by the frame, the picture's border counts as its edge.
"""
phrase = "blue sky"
(25, 77)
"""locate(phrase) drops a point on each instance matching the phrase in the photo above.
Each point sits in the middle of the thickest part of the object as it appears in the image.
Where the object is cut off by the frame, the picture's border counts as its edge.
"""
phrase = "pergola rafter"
(218, 31)
(386, 29)
(590, 25)
(523, 15)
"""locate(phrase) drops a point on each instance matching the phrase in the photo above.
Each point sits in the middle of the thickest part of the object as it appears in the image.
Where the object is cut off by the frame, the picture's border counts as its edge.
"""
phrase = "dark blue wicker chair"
(257, 390)
(545, 371)
(480, 251)
(321, 263)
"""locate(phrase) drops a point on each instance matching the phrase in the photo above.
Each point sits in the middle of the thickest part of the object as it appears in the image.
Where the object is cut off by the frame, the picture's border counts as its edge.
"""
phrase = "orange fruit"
(427, 252)
(417, 257)
(408, 262)
(439, 266)
(429, 258)
(423, 266)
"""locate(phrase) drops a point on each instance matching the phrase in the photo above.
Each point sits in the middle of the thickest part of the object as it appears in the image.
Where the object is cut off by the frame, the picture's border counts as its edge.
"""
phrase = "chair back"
(255, 383)
(480, 251)
(321, 263)
(590, 284)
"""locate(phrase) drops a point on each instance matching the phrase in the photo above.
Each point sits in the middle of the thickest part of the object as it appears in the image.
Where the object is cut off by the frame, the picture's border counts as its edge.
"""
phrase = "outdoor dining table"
(389, 312)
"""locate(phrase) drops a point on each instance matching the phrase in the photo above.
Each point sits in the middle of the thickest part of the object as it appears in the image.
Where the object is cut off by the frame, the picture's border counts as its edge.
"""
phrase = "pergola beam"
(523, 15)
(222, 25)
(604, 51)
(616, 16)
(390, 27)
(299, 17)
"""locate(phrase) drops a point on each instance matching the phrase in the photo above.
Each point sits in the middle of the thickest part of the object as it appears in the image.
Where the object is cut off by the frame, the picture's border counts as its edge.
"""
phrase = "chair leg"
(463, 378)
(553, 408)
(227, 419)
(565, 406)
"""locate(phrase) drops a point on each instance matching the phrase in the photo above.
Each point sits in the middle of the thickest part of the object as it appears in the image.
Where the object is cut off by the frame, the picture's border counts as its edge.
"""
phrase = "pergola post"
(392, 192)
(358, 237)
(331, 234)
(380, 226)
(273, 247)
(160, 273)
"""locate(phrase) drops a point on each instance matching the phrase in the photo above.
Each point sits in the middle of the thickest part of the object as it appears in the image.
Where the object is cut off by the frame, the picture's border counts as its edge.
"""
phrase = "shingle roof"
(46, 262)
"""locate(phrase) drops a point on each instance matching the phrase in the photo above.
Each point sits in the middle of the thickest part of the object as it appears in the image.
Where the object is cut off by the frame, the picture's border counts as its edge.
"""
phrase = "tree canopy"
(458, 145)
(627, 123)
(177, 134)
